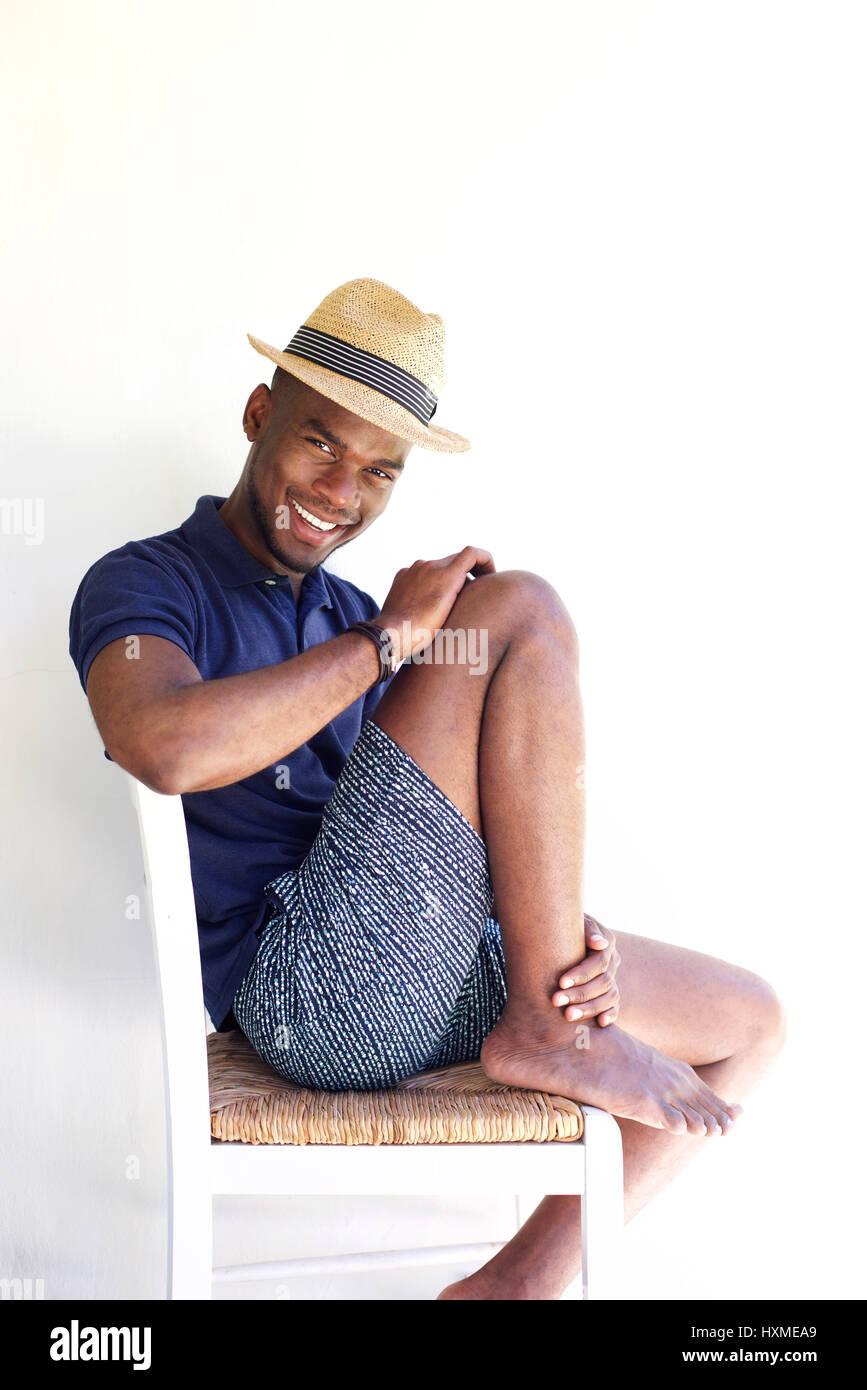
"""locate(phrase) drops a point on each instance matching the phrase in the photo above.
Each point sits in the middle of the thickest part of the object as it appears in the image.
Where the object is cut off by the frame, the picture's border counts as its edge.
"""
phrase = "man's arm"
(177, 733)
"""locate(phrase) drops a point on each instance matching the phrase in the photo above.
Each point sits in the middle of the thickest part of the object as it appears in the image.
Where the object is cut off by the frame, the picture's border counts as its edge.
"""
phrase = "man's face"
(313, 454)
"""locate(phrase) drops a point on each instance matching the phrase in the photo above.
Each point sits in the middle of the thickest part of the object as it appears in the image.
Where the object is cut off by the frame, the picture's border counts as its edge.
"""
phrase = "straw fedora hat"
(370, 349)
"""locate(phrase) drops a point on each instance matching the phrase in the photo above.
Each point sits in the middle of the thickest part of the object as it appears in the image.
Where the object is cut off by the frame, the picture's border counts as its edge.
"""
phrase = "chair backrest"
(176, 949)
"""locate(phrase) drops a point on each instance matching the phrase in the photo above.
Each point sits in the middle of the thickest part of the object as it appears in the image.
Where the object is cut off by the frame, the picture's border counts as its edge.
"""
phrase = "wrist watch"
(388, 657)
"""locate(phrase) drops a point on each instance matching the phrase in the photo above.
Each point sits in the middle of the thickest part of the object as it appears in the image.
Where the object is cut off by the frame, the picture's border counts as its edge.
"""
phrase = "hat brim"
(362, 400)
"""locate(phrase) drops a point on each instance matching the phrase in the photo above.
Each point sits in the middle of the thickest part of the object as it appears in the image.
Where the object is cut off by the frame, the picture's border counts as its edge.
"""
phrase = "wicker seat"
(253, 1104)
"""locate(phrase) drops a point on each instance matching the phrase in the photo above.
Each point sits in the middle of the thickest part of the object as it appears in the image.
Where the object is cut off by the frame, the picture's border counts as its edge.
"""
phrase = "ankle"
(523, 1023)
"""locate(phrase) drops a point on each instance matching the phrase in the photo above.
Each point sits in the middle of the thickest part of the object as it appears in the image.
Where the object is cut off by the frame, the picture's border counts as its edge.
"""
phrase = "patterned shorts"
(380, 958)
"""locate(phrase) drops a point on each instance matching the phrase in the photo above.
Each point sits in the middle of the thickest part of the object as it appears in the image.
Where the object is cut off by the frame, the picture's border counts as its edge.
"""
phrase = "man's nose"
(338, 488)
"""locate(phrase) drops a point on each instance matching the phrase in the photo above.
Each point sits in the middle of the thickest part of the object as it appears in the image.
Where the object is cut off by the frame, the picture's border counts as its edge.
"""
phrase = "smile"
(311, 519)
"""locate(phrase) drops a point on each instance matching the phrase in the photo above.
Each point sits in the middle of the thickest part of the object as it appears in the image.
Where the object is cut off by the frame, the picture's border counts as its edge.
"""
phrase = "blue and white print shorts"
(380, 958)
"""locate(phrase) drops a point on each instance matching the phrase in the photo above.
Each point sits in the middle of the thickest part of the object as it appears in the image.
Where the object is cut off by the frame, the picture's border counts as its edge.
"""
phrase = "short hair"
(283, 388)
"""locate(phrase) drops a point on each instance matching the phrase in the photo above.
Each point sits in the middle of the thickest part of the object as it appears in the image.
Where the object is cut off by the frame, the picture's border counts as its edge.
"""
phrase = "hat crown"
(377, 319)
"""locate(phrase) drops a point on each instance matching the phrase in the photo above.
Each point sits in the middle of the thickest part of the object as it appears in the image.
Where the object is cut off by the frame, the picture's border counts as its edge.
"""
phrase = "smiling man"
(317, 523)
(352, 825)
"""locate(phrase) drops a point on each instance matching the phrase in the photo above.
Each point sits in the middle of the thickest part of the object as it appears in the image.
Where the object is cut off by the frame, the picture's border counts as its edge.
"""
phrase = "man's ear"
(257, 412)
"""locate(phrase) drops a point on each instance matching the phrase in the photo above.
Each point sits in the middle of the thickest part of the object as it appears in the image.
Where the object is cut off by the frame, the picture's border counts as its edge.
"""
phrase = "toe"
(728, 1114)
(709, 1100)
(712, 1121)
(695, 1118)
(721, 1107)
(673, 1119)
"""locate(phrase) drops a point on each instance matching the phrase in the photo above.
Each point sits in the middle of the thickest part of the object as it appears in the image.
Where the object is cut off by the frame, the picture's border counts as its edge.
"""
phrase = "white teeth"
(313, 520)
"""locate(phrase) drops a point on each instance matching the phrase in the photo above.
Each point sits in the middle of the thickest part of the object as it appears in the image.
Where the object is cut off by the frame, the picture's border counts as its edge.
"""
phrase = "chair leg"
(190, 1234)
(602, 1203)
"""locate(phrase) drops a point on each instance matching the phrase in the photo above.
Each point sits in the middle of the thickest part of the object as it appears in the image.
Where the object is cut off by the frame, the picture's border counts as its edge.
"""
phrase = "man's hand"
(588, 988)
(423, 595)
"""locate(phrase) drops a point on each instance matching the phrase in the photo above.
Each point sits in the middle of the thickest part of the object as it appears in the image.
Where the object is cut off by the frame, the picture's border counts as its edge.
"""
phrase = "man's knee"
(520, 599)
(767, 1016)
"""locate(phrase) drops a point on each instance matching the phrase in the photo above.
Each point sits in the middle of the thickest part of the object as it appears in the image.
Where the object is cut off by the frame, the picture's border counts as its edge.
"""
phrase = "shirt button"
(270, 581)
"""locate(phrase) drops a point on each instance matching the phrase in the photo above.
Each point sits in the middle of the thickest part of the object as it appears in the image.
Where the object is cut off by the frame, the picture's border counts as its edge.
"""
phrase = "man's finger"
(475, 560)
(587, 969)
(593, 933)
(580, 994)
(593, 1007)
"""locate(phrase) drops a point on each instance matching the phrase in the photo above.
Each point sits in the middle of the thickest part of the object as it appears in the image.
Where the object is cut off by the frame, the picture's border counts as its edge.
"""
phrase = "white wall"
(644, 225)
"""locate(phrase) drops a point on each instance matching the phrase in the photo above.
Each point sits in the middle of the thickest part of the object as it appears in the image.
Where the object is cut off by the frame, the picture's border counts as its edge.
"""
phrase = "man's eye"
(380, 472)
(320, 442)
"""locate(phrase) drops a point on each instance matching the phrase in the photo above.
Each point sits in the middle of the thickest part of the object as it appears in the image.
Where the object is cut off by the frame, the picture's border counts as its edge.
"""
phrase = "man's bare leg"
(691, 1006)
(506, 747)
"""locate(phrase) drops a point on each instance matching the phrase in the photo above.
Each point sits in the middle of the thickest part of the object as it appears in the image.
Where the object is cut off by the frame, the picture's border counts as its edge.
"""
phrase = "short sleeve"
(130, 592)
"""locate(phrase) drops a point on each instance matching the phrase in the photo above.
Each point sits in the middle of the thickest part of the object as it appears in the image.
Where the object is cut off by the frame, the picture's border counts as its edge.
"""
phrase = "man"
(349, 842)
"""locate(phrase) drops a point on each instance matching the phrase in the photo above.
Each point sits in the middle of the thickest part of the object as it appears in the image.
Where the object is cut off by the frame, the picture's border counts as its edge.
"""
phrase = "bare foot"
(479, 1286)
(614, 1071)
(461, 1290)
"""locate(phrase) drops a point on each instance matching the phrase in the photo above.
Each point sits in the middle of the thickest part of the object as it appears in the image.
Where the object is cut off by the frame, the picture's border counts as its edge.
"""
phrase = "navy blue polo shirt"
(200, 588)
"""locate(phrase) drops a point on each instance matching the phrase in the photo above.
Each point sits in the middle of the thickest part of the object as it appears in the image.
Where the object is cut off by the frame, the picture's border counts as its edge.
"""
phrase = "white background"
(643, 224)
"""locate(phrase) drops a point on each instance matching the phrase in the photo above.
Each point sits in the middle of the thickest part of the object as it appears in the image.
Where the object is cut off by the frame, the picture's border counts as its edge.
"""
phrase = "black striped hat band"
(400, 386)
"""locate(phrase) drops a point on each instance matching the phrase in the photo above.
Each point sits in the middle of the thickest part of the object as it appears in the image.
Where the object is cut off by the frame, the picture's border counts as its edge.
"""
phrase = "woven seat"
(253, 1104)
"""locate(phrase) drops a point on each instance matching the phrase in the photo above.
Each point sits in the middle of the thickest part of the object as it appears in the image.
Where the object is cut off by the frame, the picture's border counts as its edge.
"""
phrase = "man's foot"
(613, 1071)
(485, 1286)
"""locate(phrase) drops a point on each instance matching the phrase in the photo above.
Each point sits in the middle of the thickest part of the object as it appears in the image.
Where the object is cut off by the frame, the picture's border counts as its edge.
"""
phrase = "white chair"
(199, 1168)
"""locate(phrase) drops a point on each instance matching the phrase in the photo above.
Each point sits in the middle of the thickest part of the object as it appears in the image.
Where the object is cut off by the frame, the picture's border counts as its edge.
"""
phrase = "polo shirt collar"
(232, 563)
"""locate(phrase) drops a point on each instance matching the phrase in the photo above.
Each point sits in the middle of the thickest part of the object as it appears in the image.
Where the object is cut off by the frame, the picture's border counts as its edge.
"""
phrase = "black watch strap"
(382, 641)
